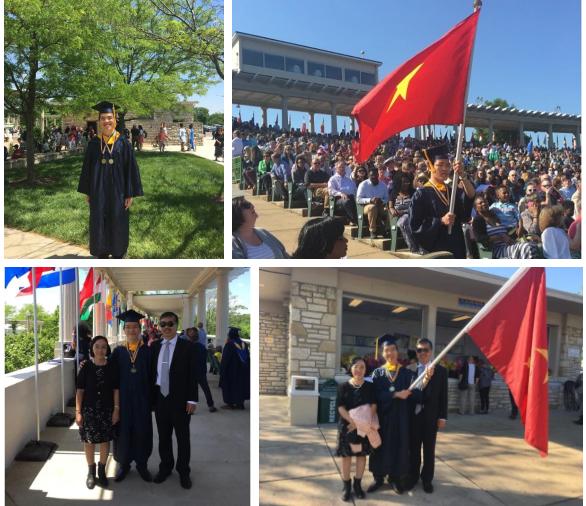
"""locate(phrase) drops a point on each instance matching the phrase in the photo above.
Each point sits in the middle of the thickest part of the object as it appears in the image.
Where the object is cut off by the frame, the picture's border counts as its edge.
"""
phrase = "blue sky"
(527, 52)
(566, 279)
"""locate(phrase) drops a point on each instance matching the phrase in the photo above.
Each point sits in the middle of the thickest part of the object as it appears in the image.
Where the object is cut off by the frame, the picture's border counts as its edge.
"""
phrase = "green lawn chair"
(360, 216)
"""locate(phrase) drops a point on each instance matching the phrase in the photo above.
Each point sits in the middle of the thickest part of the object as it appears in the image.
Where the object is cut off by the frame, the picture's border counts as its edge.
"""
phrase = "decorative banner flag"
(38, 273)
(52, 279)
(14, 272)
(322, 127)
(512, 334)
(87, 297)
(429, 88)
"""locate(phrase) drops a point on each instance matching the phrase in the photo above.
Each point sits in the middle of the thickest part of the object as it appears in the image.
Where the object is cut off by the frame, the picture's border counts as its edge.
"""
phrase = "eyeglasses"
(167, 324)
(422, 350)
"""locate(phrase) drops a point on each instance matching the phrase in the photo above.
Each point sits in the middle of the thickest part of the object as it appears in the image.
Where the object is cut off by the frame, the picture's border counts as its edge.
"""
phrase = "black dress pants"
(169, 418)
(422, 434)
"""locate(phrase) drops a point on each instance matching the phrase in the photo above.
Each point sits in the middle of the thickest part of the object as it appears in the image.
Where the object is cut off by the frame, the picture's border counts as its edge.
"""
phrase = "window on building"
(352, 76)
(363, 320)
(295, 65)
(250, 57)
(333, 72)
(273, 61)
(316, 69)
(366, 78)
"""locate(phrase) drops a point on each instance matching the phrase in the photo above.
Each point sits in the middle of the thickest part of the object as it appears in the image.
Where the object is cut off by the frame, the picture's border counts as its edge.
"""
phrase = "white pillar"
(129, 300)
(69, 312)
(312, 122)
(284, 113)
(334, 119)
(550, 136)
(353, 123)
(188, 317)
(430, 324)
(222, 306)
(521, 134)
(201, 307)
(577, 134)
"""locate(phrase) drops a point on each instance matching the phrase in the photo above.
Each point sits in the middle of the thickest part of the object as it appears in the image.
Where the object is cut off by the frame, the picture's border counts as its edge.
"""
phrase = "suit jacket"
(464, 374)
(435, 397)
(182, 373)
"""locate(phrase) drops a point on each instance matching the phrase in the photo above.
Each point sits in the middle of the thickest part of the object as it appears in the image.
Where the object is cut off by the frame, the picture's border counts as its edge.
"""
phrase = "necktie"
(419, 407)
(165, 370)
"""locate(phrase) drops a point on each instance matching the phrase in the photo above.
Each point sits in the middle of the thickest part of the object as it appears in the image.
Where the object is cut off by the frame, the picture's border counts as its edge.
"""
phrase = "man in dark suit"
(175, 397)
(428, 417)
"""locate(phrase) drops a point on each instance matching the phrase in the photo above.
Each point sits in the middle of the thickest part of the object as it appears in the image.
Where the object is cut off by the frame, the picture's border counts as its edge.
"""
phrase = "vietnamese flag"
(512, 334)
(428, 89)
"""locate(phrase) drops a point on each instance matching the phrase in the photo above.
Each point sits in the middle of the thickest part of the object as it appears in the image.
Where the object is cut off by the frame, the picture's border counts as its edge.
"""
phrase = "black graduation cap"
(105, 106)
(387, 339)
(130, 316)
(436, 153)
(233, 332)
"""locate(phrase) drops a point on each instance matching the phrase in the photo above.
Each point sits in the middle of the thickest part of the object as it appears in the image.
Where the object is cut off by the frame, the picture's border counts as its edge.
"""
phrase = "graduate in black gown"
(394, 406)
(110, 178)
(235, 371)
(429, 215)
(133, 363)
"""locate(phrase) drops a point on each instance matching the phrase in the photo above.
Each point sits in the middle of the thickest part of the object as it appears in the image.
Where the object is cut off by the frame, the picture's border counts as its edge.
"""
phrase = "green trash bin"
(327, 412)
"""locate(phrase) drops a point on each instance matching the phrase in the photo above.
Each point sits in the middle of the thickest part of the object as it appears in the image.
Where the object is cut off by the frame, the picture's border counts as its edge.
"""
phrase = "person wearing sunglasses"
(430, 415)
(174, 365)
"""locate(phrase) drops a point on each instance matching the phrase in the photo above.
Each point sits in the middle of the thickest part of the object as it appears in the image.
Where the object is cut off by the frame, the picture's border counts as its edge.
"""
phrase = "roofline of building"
(236, 34)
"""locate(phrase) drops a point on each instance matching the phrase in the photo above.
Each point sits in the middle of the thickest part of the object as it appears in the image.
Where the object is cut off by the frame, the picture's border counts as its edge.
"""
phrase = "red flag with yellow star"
(428, 89)
(512, 334)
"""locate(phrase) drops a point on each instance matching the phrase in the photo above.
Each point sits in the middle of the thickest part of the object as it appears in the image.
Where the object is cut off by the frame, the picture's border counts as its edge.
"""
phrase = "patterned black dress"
(351, 397)
(98, 383)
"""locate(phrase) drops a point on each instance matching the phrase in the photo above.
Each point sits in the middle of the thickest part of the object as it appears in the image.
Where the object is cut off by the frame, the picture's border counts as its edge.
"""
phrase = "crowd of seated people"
(510, 203)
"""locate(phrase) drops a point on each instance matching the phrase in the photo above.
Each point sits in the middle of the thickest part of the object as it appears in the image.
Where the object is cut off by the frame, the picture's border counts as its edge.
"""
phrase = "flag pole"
(36, 339)
(502, 291)
(462, 129)
(77, 318)
(62, 327)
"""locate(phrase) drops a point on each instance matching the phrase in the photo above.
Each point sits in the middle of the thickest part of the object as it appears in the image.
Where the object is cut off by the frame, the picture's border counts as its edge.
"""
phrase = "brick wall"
(274, 353)
(570, 367)
(312, 329)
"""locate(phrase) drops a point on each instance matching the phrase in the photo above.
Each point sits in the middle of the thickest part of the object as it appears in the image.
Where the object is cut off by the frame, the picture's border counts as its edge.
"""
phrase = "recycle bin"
(327, 410)
(303, 399)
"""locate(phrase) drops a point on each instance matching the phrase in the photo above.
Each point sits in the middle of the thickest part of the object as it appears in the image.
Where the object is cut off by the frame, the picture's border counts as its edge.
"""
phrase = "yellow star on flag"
(402, 87)
(543, 352)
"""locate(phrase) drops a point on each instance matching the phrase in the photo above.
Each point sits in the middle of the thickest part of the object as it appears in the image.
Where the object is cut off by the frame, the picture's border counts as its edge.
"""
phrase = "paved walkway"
(482, 460)
(20, 244)
(220, 468)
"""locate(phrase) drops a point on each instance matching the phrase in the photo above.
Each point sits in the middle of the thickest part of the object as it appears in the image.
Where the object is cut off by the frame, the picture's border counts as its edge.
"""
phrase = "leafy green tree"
(238, 316)
(216, 118)
(202, 115)
(195, 27)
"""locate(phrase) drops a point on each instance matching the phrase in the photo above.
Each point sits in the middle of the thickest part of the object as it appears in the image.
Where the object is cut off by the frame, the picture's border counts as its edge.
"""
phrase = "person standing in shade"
(201, 353)
(97, 408)
(175, 398)
(484, 382)
(110, 179)
(132, 361)
(235, 371)
(202, 336)
(429, 416)
(468, 380)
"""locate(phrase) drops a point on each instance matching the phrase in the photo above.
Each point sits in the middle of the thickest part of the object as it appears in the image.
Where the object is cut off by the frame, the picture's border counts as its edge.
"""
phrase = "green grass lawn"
(179, 216)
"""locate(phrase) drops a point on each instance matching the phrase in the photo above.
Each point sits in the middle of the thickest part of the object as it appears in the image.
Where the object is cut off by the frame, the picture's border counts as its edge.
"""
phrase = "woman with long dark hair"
(322, 238)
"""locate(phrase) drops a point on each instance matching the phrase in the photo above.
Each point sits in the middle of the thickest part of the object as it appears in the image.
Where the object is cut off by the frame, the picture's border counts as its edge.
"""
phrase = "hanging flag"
(277, 120)
(239, 117)
(253, 119)
(512, 335)
(574, 144)
(322, 127)
(14, 272)
(303, 128)
(38, 273)
(289, 124)
(87, 297)
(52, 279)
(429, 88)
(530, 147)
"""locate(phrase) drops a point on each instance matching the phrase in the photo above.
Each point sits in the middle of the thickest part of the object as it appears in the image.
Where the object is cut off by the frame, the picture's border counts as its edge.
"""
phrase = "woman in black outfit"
(355, 392)
(97, 408)
(219, 144)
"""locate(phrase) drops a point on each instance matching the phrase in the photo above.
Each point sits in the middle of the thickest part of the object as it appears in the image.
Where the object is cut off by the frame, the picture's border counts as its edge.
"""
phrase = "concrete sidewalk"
(481, 460)
(220, 467)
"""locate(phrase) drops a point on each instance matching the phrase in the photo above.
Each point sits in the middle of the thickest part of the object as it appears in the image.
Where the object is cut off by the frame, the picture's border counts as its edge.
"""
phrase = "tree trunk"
(31, 97)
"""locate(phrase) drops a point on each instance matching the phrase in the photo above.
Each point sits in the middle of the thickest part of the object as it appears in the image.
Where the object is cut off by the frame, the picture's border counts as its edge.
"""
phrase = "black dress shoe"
(121, 473)
(375, 486)
(428, 488)
(397, 487)
(145, 474)
(160, 477)
(213, 409)
(185, 481)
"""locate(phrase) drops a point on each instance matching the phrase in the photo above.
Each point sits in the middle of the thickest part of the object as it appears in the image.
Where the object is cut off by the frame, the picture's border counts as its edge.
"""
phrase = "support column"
(430, 324)
(312, 122)
(577, 134)
(284, 113)
(188, 317)
(264, 116)
(353, 123)
(68, 309)
(521, 134)
(334, 118)
(201, 306)
(550, 136)
(129, 300)
(490, 130)
(222, 305)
